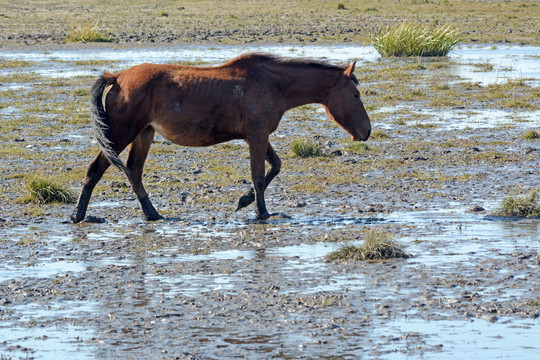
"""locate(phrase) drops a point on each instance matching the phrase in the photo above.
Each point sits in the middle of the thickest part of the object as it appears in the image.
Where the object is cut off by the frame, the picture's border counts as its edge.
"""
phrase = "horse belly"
(197, 115)
(194, 133)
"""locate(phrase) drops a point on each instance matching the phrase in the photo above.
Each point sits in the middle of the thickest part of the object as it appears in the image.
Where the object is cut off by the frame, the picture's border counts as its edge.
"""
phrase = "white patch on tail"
(104, 96)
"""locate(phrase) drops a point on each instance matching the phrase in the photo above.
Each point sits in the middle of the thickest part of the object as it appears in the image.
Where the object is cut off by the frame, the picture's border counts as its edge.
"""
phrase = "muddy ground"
(34, 22)
(211, 283)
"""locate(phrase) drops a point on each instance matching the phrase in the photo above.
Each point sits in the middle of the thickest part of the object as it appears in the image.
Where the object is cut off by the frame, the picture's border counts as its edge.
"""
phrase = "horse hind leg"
(138, 152)
(94, 172)
(275, 166)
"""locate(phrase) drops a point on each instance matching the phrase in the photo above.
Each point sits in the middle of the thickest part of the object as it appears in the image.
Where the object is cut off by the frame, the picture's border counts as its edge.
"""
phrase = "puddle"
(473, 339)
(57, 341)
(40, 270)
(311, 252)
(65, 342)
(509, 62)
(458, 119)
(219, 255)
(194, 285)
(464, 236)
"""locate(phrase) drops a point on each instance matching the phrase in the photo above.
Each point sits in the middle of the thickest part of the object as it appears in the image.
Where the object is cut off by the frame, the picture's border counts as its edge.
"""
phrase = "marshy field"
(447, 188)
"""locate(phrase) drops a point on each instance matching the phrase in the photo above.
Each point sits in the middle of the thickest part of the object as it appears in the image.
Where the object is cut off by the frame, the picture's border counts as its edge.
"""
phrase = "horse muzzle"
(361, 136)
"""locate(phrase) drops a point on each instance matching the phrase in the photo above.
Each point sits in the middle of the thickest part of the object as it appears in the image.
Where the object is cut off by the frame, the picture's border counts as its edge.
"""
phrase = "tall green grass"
(411, 39)
(87, 33)
(305, 148)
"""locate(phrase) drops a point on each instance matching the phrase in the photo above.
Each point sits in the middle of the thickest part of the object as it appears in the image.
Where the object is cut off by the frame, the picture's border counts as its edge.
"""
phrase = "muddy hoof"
(88, 220)
(74, 219)
(263, 216)
(154, 217)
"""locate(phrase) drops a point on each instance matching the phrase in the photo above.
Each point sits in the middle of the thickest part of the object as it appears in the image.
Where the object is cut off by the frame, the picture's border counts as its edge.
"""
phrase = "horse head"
(344, 106)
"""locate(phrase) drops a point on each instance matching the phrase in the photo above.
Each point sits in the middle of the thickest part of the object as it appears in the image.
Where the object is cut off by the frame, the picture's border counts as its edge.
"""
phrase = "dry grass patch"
(378, 245)
(520, 206)
(87, 33)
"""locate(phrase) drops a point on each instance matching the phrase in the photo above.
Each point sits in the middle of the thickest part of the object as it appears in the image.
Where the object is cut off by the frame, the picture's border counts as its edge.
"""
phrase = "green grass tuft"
(379, 135)
(378, 245)
(87, 33)
(531, 135)
(305, 148)
(45, 191)
(357, 147)
(411, 39)
(15, 63)
(522, 206)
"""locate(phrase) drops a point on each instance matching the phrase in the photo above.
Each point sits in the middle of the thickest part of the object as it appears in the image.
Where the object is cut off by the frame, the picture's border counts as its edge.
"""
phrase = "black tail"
(101, 122)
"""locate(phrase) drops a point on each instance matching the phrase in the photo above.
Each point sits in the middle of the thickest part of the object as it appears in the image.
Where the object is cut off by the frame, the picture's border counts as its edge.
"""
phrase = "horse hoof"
(74, 219)
(244, 201)
(154, 217)
(263, 216)
(88, 220)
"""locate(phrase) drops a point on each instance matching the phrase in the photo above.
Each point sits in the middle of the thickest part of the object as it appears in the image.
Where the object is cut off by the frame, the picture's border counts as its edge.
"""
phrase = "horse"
(244, 98)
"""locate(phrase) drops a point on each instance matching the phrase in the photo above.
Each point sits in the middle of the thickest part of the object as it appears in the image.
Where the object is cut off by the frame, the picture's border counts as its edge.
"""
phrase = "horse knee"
(259, 184)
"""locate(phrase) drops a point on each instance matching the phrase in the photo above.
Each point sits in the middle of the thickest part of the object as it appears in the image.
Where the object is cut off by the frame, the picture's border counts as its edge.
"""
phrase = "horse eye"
(356, 96)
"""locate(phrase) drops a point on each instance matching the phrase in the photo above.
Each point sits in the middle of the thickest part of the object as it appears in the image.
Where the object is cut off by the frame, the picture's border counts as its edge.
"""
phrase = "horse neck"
(303, 85)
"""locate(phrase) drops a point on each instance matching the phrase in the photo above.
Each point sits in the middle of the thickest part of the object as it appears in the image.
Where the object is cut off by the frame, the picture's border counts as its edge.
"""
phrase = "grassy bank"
(233, 22)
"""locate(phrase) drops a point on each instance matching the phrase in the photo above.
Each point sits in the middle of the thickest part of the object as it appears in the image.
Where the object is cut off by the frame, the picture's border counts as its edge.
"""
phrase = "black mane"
(300, 62)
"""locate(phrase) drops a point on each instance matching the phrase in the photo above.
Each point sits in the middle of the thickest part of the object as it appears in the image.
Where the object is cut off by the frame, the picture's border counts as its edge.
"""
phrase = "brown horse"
(195, 106)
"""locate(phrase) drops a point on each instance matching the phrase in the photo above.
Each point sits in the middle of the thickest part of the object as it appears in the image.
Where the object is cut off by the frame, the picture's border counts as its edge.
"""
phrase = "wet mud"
(210, 283)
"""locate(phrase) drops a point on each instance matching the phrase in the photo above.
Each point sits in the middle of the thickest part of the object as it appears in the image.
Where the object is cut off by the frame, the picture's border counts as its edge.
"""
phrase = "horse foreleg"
(138, 152)
(258, 150)
(94, 172)
(275, 166)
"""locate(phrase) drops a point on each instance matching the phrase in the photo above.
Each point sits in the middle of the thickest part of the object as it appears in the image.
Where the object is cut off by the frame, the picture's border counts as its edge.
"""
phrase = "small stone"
(477, 208)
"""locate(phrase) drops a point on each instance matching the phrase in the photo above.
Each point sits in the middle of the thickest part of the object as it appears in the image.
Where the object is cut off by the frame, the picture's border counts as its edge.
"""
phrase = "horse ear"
(350, 69)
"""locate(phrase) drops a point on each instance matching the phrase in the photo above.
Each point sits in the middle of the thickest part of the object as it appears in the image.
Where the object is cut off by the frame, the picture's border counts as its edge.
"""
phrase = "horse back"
(195, 106)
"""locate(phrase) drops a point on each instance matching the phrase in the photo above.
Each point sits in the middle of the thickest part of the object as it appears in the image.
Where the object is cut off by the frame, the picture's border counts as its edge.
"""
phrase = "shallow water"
(463, 119)
(473, 339)
(509, 62)
(442, 239)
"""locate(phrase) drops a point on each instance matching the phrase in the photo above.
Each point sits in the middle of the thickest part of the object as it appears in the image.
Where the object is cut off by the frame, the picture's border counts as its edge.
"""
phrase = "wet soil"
(209, 283)
(31, 22)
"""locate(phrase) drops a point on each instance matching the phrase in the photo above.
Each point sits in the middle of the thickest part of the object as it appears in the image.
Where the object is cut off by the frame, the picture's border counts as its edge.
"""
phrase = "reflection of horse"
(242, 99)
